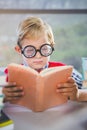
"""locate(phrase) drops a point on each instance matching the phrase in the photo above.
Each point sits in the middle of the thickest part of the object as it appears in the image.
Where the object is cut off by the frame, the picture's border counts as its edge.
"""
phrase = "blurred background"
(68, 19)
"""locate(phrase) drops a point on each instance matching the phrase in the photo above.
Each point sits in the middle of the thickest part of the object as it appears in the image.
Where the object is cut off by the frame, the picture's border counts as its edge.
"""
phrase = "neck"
(39, 70)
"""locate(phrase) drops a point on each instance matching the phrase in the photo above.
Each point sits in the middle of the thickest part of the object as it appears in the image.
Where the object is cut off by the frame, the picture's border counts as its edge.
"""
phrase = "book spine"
(39, 102)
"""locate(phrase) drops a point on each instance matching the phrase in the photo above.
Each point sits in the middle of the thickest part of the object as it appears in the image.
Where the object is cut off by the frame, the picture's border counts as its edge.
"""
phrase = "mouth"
(38, 62)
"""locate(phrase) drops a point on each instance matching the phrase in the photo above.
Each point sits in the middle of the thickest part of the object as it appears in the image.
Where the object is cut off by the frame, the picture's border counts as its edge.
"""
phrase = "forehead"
(38, 41)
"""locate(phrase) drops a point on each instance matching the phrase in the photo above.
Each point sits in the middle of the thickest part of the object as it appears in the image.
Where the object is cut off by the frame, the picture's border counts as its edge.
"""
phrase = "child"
(35, 44)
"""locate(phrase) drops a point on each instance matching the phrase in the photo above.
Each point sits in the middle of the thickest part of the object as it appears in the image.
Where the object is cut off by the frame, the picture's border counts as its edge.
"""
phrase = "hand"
(69, 89)
(12, 92)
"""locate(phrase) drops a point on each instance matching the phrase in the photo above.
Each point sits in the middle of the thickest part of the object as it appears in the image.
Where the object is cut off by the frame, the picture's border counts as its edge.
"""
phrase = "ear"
(17, 48)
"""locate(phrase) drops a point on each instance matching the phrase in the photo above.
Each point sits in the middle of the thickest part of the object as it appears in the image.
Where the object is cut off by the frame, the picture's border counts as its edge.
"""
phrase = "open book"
(39, 88)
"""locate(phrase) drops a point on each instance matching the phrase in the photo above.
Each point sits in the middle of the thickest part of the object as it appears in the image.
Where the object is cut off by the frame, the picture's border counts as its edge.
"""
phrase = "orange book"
(39, 88)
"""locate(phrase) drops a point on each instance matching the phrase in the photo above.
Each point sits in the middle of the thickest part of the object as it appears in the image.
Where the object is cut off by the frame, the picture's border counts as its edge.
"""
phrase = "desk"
(69, 116)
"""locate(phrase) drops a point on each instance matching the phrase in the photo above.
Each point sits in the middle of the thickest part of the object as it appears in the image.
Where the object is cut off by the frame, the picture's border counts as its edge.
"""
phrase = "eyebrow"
(33, 45)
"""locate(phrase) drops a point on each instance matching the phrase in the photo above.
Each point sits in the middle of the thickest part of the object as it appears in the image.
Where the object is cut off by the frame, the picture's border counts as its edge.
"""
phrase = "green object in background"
(84, 67)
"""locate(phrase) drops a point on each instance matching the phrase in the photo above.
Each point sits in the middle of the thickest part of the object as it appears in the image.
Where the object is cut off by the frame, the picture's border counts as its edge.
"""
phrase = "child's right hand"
(12, 92)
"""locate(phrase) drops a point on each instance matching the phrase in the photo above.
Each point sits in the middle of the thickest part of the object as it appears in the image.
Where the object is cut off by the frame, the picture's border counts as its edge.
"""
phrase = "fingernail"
(22, 93)
(58, 85)
(21, 88)
(57, 90)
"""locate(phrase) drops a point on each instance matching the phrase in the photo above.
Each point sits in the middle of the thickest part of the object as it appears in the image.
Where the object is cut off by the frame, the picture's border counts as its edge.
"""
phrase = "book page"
(51, 80)
(54, 69)
(30, 80)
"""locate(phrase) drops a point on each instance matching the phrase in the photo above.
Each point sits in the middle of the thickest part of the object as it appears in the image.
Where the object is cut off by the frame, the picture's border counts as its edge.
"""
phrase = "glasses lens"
(29, 51)
(46, 50)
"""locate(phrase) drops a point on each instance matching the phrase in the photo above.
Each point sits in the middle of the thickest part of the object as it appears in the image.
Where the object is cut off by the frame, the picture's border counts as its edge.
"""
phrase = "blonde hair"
(32, 27)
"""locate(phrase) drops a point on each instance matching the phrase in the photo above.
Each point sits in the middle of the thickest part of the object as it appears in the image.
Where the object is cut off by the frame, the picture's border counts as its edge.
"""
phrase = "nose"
(38, 55)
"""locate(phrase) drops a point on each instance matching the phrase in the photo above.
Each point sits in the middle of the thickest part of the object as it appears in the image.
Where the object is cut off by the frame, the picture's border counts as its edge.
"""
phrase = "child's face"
(38, 61)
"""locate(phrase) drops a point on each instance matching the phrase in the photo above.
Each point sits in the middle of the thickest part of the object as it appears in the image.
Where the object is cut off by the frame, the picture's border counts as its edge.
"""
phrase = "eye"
(29, 49)
(44, 48)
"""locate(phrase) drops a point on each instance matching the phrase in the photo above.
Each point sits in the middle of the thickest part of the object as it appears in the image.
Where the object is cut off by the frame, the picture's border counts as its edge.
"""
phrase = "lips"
(38, 62)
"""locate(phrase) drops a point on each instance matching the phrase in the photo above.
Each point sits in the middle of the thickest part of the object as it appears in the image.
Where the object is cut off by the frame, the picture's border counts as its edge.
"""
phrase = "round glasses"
(30, 51)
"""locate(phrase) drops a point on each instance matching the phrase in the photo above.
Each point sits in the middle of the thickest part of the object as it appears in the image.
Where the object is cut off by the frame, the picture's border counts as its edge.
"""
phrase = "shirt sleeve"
(4, 72)
(78, 78)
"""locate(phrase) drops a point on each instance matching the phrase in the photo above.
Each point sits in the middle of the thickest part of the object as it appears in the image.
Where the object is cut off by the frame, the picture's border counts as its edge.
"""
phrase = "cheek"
(29, 62)
(26, 61)
(46, 60)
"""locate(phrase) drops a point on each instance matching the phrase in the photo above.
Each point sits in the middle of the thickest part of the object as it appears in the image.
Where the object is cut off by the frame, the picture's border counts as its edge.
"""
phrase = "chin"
(38, 67)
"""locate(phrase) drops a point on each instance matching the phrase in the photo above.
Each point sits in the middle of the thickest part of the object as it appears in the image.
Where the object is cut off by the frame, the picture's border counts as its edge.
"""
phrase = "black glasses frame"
(36, 50)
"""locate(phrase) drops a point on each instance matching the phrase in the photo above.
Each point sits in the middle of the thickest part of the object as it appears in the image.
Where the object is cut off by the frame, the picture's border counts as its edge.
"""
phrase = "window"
(68, 19)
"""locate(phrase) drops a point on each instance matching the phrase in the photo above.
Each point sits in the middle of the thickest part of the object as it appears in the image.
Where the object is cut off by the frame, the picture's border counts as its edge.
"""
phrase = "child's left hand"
(69, 89)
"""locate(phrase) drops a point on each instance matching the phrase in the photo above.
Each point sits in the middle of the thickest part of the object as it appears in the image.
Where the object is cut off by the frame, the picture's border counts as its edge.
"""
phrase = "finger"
(13, 98)
(71, 93)
(9, 84)
(65, 85)
(64, 90)
(14, 89)
(70, 80)
(14, 94)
